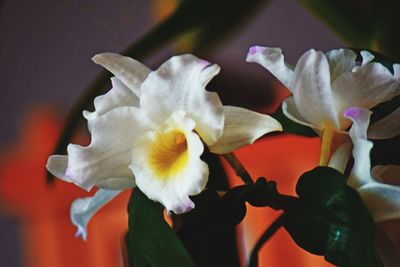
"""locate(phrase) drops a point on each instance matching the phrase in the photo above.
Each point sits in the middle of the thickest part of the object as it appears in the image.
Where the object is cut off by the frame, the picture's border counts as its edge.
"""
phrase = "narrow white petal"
(360, 118)
(367, 57)
(83, 209)
(273, 60)
(366, 87)
(179, 84)
(388, 127)
(57, 165)
(340, 61)
(340, 157)
(105, 162)
(290, 110)
(118, 96)
(242, 127)
(165, 171)
(383, 200)
(312, 90)
(131, 72)
(361, 172)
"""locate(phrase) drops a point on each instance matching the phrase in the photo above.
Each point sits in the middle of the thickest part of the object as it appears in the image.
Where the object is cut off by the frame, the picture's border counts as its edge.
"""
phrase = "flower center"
(169, 154)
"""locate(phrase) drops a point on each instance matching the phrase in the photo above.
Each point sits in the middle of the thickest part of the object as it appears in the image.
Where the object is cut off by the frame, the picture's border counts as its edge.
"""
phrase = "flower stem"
(238, 167)
(269, 232)
(327, 138)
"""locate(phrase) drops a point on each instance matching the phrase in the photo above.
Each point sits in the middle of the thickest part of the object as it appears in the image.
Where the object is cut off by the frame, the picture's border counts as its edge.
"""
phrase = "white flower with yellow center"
(325, 85)
(149, 131)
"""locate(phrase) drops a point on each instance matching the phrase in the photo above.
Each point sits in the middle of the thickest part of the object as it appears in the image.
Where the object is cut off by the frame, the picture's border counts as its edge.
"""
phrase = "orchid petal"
(118, 96)
(242, 127)
(273, 60)
(361, 172)
(388, 127)
(179, 84)
(57, 165)
(166, 171)
(312, 90)
(108, 155)
(340, 61)
(366, 87)
(367, 57)
(383, 200)
(290, 110)
(131, 72)
(83, 209)
(340, 157)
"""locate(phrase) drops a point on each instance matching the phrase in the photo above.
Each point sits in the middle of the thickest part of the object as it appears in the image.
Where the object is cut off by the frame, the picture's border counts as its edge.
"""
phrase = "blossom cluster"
(150, 130)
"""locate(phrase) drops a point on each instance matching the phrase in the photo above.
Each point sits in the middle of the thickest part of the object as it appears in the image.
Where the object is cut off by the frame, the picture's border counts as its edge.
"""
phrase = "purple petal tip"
(80, 233)
(353, 112)
(254, 50)
(204, 63)
(357, 113)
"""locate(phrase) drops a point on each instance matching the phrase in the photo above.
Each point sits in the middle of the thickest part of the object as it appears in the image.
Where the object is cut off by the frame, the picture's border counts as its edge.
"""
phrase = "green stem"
(269, 232)
(238, 167)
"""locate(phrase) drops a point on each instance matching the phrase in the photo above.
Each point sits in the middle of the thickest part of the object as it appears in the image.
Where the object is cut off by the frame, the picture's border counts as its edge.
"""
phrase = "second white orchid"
(148, 131)
(324, 85)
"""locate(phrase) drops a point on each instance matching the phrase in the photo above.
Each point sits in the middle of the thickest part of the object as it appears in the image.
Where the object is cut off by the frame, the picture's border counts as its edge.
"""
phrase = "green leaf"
(387, 28)
(215, 27)
(369, 24)
(351, 19)
(153, 242)
(210, 239)
(332, 220)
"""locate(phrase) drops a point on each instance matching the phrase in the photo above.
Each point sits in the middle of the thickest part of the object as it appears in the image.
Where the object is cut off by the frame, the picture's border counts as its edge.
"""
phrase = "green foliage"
(151, 241)
(328, 218)
(332, 220)
(214, 20)
(350, 18)
(204, 235)
(369, 24)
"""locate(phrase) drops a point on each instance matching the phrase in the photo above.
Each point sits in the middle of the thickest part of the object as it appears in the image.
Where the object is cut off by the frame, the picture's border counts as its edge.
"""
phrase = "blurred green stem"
(238, 167)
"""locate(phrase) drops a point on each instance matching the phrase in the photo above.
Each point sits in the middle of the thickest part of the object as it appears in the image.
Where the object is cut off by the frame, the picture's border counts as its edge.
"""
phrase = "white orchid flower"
(325, 85)
(378, 187)
(149, 131)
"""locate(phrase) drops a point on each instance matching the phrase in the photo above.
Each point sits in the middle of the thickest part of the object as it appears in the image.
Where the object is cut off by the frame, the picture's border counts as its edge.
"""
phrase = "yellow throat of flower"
(169, 154)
